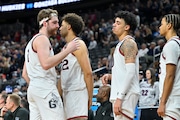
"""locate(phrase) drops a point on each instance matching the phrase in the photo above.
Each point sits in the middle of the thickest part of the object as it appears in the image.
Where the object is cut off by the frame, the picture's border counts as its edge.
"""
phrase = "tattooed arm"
(129, 49)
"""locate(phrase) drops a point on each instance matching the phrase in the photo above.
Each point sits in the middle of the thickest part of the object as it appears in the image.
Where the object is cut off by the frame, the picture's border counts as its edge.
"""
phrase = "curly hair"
(76, 22)
(129, 18)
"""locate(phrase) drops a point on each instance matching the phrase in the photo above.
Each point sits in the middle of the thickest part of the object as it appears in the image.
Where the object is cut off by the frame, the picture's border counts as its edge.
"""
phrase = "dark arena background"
(18, 25)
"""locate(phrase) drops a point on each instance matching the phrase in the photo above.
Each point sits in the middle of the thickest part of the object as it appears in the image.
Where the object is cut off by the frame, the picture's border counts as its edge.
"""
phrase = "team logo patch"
(54, 102)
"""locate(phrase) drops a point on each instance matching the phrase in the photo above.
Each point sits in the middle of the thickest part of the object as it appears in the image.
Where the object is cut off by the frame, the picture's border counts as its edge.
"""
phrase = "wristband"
(1, 116)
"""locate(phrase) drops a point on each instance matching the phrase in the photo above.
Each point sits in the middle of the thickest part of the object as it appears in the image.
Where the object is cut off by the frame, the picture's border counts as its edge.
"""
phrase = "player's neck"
(43, 32)
(69, 38)
(170, 35)
(121, 37)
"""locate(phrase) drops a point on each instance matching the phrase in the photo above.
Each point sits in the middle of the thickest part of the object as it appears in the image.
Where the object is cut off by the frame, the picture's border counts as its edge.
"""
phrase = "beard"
(52, 32)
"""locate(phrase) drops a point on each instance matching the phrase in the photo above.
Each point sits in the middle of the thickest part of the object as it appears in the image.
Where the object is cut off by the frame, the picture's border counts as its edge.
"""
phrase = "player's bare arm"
(83, 59)
(24, 74)
(129, 49)
(59, 87)
(168, 85)
(169, 80)
(42, 45)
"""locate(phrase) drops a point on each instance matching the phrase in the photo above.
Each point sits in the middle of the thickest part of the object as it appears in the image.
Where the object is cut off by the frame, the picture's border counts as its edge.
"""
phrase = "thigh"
(168, 118)
(33, 108)
(50, 107)
(76, 104)
(173, 108)
(129, 104)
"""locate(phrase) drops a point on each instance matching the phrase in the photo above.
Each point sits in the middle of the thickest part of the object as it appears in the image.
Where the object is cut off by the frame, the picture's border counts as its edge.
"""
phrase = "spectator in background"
(3, 97)
(161, 44)
(150, 53)
(13, 108)
(149, 96)
(24, 104)
(97, 81)
(103, 66)
(143, 50)
(92, 44)
(141, 76)
(90, 115)
(138, 38)
(110, 60)
(104, 111)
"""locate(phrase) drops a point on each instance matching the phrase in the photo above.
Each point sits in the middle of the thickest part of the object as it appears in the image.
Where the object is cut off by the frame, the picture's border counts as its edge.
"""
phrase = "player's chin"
(54, 33)
(113, 31)
(162, 34)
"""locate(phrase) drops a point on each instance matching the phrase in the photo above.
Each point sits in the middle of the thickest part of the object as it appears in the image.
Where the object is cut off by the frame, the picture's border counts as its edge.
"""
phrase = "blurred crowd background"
(97, 35)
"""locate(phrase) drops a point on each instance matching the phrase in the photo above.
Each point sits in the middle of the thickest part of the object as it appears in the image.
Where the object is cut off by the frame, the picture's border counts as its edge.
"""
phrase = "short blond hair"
(16, 99)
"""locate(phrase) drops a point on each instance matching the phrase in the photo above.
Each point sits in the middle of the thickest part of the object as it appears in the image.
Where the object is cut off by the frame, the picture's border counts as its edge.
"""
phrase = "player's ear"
(127, 27)
(69, 26)
(44, 23)
(169, 25)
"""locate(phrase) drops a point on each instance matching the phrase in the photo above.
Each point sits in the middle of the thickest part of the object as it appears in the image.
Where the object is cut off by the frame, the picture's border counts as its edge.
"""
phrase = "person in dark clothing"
(12, 109)
(90, 115)
(104, 111)
(3, 97)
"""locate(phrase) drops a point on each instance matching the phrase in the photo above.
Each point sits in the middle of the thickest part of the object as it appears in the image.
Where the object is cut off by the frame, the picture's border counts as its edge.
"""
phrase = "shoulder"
(172, 44)
(130, 41)
(156, 83)
(82, 43)
(130, 44)
(108, 105)
(23, 111)
(41, 39)
(82, 48)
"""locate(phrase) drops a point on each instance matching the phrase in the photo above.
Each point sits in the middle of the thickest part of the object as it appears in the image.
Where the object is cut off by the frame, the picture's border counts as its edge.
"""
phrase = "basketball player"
(169, 106)
(39, 69)
(76, 72)
(125, 72)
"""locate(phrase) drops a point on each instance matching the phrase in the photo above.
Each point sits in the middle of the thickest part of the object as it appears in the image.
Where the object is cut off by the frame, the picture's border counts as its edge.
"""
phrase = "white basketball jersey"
(72, 77)
(38, 76)
(170, 54)
(149, 94)
(119, 72)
